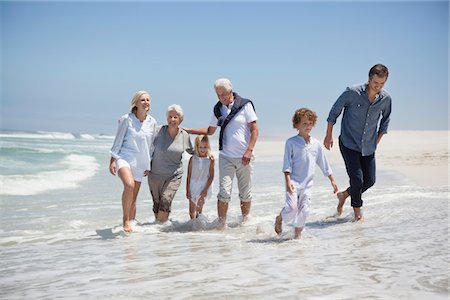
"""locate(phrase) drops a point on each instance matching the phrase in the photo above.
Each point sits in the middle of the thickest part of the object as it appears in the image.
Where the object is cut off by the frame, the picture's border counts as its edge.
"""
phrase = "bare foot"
(298, 233)
(358, 214)
(127, 226)
(342, 196)
(278, 224)
(221, 225)
(359, 218)
(244, 218)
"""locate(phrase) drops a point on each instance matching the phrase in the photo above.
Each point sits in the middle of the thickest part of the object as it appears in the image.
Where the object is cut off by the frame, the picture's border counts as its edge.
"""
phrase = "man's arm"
(380, 135)
(254, 132)
(328, 141)
(205, 131)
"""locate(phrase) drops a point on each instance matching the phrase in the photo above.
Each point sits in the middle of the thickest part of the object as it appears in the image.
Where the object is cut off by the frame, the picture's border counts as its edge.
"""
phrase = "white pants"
(296, 206)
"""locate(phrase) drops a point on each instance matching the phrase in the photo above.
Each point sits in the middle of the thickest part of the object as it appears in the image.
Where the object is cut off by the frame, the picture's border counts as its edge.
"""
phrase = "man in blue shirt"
(367, 110)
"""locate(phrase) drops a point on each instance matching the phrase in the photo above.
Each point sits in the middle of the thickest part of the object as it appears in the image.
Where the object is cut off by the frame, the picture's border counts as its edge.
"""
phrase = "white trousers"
(296, 206)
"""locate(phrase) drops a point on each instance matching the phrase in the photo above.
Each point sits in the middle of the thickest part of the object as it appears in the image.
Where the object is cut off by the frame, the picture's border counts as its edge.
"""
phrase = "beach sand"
(422, 156)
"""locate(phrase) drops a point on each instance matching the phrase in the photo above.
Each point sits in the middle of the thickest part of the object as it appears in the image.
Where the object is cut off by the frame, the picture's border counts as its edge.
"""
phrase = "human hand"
(335, 187)
(328, 142)
(290, 187)
(112, 167)
(146, 172)
(246, 157)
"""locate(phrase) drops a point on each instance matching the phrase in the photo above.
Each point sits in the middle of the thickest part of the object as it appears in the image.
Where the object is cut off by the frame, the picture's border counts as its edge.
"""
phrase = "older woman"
(167, 167)
(131, 152)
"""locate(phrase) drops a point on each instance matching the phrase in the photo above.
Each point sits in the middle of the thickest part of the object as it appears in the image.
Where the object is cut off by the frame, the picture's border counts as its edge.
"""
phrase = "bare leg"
(192, 210)
(127, 196)
(222, 209)
(298, 232)
(279, 224)
(137, 186)
(245, 209)
(342, 196)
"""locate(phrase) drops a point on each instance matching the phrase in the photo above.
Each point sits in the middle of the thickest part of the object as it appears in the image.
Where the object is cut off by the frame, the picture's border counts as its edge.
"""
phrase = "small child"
(301, 153)
(200, 176)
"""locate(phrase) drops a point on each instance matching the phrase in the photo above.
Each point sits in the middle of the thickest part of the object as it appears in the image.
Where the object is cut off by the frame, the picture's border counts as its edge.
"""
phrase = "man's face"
(376, 83)
(224, 96)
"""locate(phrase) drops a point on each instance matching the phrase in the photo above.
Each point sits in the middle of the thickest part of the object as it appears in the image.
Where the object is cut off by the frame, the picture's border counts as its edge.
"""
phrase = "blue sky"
(73, 66)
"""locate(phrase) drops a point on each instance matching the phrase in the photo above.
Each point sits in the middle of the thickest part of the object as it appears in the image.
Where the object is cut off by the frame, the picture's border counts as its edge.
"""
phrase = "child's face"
(203, 149)
(305, 126)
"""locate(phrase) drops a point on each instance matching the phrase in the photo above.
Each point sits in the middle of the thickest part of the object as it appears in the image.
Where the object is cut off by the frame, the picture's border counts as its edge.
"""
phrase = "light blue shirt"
(359, 127)
(300, 159)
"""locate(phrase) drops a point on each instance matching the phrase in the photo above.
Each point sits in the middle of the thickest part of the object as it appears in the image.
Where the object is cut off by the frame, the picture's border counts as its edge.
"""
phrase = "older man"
(236, 118)
(367, 111)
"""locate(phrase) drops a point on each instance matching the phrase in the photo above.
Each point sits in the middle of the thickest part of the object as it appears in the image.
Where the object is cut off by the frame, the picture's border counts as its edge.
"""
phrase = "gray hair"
(177, 109)
(225, 83)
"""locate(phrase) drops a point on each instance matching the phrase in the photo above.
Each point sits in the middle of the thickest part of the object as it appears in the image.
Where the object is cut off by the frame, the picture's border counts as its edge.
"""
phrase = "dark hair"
(379, 70)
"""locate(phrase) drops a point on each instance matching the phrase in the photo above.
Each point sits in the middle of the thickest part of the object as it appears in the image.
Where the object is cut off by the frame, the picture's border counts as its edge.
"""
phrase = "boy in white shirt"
(302, 152)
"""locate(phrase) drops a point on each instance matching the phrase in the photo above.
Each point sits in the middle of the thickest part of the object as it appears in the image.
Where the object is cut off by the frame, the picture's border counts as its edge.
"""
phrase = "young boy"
(302, 152)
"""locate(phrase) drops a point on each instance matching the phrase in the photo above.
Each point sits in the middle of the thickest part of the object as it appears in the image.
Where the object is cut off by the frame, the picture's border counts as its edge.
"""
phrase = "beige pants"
(163, 191)
(228, 168)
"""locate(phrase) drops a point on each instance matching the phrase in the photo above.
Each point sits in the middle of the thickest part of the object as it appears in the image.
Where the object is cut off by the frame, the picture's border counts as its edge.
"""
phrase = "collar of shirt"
(227, 109)
(377, 98)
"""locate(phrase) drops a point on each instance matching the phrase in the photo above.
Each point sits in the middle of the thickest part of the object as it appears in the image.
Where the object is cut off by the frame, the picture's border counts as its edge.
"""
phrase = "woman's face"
(143, 104)
(173, 119)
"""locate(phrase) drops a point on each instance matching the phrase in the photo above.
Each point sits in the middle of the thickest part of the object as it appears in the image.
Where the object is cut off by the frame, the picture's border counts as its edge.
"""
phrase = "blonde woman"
(131, 152)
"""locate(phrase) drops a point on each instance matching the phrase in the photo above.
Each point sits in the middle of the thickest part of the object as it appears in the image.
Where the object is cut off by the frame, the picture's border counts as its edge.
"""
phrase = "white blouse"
(134, 141)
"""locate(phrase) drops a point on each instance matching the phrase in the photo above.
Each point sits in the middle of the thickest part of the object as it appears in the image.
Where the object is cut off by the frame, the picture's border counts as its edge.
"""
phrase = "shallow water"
(60, 237)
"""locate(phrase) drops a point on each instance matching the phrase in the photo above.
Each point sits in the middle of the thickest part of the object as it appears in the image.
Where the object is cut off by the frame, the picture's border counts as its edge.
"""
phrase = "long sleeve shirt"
(134, 141)
(359, 127)
(300, 159)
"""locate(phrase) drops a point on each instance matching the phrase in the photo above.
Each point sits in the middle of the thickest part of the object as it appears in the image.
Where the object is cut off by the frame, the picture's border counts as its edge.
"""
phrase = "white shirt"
(134, 141)
(301, 158)
(237, 133)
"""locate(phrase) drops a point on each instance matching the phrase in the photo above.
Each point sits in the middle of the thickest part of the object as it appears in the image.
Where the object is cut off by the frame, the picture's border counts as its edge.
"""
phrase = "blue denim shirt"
(359, 128)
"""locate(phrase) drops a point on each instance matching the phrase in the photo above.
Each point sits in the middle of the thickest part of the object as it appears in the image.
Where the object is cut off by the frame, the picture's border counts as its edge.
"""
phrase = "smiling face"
(173, 119)
(376, 83)
(225, 97)
(143, 103)
(203, 149)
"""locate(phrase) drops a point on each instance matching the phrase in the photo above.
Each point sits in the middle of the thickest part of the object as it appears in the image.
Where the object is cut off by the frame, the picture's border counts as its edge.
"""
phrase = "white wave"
(38, 135)
(86, 136)
(74, 170)
(103, 136)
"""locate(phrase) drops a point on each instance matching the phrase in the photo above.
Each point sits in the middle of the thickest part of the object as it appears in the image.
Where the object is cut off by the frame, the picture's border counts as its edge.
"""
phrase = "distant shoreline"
(422, 156)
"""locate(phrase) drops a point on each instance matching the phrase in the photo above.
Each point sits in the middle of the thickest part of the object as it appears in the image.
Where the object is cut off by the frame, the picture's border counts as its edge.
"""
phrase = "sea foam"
(73, 170)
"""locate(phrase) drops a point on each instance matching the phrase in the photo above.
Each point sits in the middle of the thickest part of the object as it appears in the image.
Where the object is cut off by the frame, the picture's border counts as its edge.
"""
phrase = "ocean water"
(61, 237)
